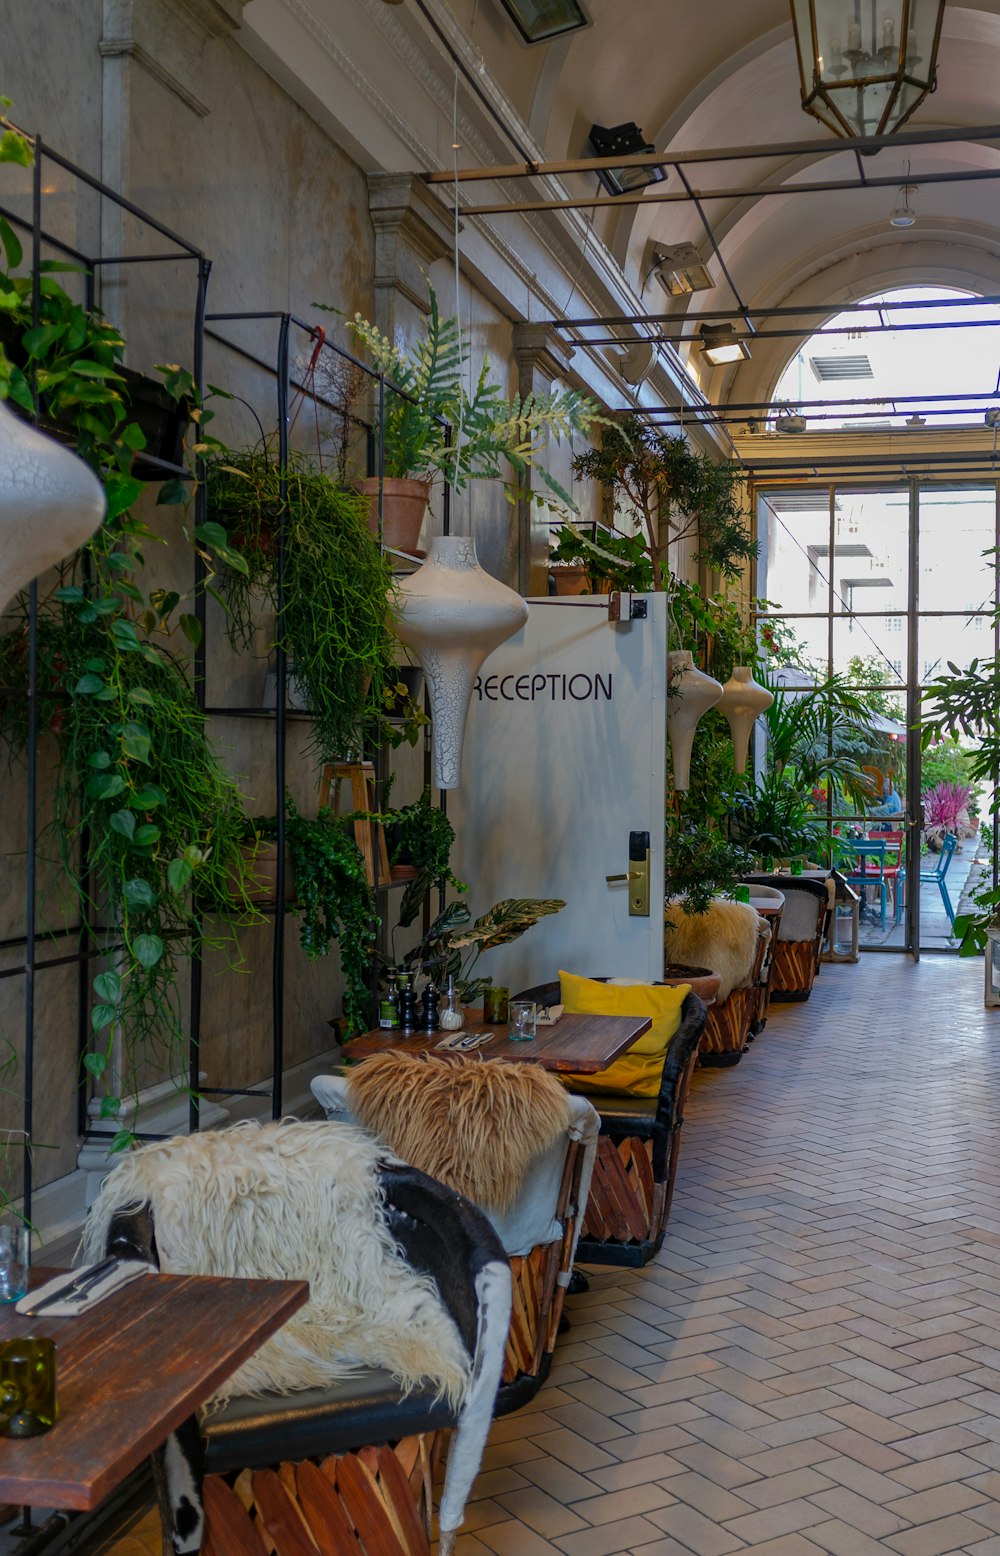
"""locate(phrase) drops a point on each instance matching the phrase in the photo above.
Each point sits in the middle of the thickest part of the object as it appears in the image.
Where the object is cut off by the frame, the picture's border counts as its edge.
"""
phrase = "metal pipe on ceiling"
(785, 311)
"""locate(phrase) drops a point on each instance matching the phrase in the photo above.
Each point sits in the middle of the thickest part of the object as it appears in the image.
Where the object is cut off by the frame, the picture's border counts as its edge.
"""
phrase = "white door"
(564, 758)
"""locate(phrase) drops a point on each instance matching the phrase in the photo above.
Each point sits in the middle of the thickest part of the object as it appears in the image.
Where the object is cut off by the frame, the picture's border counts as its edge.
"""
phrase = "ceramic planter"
(50, 503)
(404, 503)
(451, 615)
(692, 693)
(742, 702)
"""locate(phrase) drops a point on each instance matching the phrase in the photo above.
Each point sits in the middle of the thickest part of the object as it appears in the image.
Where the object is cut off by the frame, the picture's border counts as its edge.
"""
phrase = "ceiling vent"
(833, 369)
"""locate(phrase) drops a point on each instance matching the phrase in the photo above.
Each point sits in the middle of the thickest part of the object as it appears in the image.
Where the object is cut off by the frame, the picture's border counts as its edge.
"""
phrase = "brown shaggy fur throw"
(474, 1125)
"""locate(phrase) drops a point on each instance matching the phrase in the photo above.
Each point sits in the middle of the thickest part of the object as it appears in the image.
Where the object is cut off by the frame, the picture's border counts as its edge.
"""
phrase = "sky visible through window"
(892, 366)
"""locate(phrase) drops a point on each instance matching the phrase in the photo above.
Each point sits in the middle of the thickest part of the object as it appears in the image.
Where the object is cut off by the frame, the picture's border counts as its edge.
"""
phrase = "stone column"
(412, 230)
(541, 357)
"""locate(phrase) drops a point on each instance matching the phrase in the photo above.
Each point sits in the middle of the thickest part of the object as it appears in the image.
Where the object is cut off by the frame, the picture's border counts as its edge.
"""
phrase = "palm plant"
(433, 428)
(809, 733)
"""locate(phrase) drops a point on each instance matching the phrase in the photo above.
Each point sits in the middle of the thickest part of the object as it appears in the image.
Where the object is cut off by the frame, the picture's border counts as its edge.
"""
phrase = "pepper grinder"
(431, 1007)
(407, 1003)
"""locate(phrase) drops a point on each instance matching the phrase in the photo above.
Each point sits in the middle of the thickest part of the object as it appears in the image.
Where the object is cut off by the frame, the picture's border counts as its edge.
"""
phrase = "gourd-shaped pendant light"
(742, 702)
(453, 614)
(692, 693)
(50, 503)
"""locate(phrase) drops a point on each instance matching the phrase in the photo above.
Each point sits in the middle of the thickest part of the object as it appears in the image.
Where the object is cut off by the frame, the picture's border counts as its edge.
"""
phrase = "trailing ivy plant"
(136, 775)
(334, 900)
(423, 834)
(334, 620)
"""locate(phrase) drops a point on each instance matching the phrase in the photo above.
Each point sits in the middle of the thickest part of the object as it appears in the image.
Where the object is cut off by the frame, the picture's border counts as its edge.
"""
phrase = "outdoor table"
(129, 1372)
(575, 1044)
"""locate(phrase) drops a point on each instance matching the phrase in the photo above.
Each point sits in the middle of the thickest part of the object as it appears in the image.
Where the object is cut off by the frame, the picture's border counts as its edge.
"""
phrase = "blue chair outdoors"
(873, 874)
(933, 877)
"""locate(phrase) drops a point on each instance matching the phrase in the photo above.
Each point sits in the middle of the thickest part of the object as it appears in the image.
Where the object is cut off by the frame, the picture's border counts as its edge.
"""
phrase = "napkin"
(128, 1270)
(548, 1015)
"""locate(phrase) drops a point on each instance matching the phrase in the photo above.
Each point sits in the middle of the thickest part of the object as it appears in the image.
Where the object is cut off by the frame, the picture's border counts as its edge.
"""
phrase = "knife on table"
(78, 1286)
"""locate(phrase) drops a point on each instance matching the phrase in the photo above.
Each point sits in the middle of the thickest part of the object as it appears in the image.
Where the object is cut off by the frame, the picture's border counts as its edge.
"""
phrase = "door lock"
(638, 875)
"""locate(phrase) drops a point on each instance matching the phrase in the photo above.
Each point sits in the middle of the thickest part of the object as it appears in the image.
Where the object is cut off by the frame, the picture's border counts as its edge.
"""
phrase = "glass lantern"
(865, 65)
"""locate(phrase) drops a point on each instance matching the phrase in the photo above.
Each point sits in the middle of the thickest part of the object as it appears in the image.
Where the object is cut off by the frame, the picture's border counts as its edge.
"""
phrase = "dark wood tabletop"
(129, 1372)
(575, 1045)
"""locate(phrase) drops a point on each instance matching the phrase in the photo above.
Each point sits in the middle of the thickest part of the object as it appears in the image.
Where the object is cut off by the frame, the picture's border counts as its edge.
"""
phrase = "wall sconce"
(680, 271)
(720, 344)
(624, 140)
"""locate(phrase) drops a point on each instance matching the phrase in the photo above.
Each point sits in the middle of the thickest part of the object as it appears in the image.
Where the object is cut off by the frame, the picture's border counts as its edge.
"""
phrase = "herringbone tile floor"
(813, 1362)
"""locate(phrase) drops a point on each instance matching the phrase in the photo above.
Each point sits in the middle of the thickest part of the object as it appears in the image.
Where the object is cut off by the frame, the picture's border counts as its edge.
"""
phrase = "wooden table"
(129, 1372)
(576, 1045)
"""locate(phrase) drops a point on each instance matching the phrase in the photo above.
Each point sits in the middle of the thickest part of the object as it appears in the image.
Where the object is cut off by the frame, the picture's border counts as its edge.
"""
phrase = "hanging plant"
(334, 900)
(334, 620)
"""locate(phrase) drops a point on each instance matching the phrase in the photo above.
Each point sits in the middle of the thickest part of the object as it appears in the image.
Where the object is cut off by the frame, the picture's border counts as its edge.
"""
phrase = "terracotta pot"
(262, 867)
(703, 981)
(569, 578)
(404, 503)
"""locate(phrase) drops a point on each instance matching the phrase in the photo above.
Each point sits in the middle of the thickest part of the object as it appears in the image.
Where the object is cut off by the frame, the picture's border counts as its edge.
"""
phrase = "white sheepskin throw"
(724, 939)
(293, 1201)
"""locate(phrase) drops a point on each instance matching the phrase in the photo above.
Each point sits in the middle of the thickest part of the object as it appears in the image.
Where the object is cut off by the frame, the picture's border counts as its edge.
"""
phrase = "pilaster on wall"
(542, 356)
(412, 230)
(165, 39)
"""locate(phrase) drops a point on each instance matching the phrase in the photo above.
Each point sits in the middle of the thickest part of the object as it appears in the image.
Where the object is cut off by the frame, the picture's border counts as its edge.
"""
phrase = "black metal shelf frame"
(87, 946)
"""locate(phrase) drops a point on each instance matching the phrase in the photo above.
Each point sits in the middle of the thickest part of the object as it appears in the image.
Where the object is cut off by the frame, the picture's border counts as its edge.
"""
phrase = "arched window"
(938, 363)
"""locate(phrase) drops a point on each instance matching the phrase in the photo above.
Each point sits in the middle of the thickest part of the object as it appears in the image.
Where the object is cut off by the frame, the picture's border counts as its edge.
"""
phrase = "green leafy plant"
(436, 429)
(334, 618)
(136, 776)
(421, 835)
(669, 492)
(453, 945)
(700, 863)
(777, 819)
(624, 563)
(334, 900)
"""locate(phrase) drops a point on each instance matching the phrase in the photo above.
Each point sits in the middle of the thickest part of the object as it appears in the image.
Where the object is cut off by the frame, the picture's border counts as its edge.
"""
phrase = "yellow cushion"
(639, 1070)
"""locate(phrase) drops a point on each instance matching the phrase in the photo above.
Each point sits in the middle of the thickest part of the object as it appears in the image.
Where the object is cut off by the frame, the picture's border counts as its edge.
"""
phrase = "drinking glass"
(495, 1003)
(27, 1386)
(15, 1257)
(523, 1015)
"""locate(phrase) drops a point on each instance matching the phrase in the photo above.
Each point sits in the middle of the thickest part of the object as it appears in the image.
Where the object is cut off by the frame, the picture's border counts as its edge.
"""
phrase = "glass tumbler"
(522, 1020)
(27, 1386)
(496, 1001)
(15, 1257)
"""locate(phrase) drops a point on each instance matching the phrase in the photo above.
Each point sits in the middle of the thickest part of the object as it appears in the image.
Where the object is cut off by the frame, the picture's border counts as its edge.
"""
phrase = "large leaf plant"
(433, 427)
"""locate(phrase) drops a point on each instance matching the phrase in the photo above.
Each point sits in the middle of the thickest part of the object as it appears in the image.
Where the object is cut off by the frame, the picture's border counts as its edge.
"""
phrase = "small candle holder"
(27, 1387)
(496, 1003)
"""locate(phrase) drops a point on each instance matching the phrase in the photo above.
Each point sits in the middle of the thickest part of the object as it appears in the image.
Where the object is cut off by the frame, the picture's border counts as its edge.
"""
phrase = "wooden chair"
(633, 1182)
(798, 946)
(347, 1469)
(539, 1236)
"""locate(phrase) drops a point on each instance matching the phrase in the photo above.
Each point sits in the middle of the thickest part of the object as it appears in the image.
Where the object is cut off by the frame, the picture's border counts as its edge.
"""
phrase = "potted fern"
(432, 428)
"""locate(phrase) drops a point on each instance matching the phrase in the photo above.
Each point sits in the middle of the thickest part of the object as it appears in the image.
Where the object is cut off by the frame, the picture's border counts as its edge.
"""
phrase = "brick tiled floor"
(812, 1364)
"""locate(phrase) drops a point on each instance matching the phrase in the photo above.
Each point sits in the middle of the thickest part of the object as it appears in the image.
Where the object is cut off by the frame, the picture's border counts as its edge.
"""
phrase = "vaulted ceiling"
(719, 73)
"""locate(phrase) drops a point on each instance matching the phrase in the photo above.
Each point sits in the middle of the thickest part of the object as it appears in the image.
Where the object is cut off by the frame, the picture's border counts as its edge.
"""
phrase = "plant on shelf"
(333, 899)
(142, 811)
(453, 945)
(625, 564)
(337, 590)
(668, 492)
(421, 836)
(434, 429)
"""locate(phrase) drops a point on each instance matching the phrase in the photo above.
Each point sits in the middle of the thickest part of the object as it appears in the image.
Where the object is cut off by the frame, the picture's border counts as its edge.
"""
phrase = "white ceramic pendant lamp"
(692, 693)
(50, 503)
(452, 614)
(742, 702)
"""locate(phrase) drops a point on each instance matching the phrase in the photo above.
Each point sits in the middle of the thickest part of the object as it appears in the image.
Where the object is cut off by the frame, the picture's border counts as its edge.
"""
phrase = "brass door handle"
(633, 875)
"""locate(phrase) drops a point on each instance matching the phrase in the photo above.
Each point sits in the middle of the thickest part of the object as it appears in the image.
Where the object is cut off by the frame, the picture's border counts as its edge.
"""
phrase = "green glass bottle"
(27, 1386)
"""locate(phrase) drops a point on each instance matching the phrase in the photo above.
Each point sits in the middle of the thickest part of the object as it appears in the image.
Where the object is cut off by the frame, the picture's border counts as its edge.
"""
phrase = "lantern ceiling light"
(865, 65)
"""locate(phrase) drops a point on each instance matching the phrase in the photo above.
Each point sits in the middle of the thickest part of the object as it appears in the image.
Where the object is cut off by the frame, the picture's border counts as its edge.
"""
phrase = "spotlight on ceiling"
(788, 420)
(865, 66)
(992, 417)
(680, 271)
(719, 343)
(624, 140)
(903, 214)
(539, 20)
